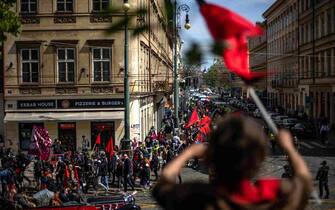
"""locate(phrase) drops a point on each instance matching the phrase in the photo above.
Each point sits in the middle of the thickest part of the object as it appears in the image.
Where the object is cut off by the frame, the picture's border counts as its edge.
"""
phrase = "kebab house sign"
(70, 104)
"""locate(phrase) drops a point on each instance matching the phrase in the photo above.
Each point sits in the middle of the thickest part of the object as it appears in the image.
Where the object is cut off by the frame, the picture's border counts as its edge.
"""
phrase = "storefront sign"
(71, 104)
(42, 104)
(67, 125)
(89, 103)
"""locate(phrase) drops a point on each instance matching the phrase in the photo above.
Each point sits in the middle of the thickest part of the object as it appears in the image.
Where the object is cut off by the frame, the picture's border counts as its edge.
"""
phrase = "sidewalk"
(331, 138)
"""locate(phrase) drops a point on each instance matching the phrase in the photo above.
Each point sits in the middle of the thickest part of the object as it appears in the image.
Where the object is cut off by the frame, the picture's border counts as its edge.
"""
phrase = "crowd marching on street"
(71, 173)
(68, 172)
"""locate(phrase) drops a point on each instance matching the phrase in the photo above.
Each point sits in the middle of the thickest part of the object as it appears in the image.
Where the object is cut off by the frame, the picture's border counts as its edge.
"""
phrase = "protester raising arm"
(299, 187)
(235, 153)
(299, 166)
(171, 171)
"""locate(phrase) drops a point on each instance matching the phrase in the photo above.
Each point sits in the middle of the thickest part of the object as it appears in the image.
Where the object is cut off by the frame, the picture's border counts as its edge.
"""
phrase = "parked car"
(304, 130)
(278, 119)
(114, 201)
(257, 113)
(110, 202)
(289, 123)
(220, 103)
(273, 114)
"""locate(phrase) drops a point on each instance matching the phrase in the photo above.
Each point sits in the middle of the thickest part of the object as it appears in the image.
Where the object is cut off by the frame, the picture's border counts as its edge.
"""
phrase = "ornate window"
(28, 6)
(101, 64)
(64, 5)
(30, 65)
(100, 5)
(66, 64)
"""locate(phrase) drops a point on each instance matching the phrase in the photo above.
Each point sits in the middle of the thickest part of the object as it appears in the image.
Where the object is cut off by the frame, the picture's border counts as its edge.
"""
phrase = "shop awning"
(63, 116)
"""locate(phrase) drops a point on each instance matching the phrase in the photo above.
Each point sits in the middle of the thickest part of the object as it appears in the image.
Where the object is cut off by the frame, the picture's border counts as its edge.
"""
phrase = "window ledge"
(62, 84)
(101, 83)
(63, 12)
(33, 84)
(25, 14)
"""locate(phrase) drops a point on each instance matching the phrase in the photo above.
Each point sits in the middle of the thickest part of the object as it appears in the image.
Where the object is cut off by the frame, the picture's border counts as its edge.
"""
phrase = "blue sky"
(250, 9)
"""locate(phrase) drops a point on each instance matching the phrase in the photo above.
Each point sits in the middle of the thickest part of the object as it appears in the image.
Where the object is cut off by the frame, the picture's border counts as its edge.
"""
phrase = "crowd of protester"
(66, 175)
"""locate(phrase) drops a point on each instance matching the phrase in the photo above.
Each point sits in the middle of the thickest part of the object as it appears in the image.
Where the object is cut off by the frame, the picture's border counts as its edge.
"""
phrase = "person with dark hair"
(38, 167)
(102, 172)
(322, 177)
(236, 150)
(60, 171)
(22, 162)
(155, 164)
(127, 173)
(119, 172)
(287, 172)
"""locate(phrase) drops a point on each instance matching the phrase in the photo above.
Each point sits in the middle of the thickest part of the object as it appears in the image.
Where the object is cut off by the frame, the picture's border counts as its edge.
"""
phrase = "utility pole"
(175, 70)
(176, 14)
(126, 140)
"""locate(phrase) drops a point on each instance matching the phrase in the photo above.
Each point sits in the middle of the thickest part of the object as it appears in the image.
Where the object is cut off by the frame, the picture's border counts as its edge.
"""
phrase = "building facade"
(65, 72)
(301, 56)
(257, 58)
(282, 51)
(317, 58)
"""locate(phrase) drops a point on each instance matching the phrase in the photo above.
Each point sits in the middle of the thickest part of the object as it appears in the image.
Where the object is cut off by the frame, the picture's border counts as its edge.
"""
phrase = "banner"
(40, 143)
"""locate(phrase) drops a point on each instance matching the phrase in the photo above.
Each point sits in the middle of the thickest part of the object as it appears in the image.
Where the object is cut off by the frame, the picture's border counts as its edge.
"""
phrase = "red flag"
(232, 29)
(110, 147)
(98, 139)
(262, 191)
(193, 119)
(40, 143)
(205, 129)
(205, 120)
(200, 137)
(67, 172)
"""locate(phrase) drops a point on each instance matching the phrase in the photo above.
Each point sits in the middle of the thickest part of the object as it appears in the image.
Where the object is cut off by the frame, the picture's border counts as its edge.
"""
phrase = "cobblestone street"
(272, 167)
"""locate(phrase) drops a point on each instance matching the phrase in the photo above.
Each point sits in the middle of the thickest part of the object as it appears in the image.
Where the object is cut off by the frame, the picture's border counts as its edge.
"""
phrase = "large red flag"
(193, 119)
(98, 139)
(205, 120)
(110, 147)
(232, 29)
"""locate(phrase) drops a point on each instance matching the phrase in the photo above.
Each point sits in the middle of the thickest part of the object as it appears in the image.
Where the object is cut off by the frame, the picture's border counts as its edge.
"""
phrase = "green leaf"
(193, 55)
(141, 11)
(118, 25)
(140, 29)
(217, 48)
(9, 22)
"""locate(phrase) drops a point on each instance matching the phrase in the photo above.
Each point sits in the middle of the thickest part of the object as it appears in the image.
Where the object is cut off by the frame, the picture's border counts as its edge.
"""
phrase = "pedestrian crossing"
(306, 145)
(318, 145)
(314, 145)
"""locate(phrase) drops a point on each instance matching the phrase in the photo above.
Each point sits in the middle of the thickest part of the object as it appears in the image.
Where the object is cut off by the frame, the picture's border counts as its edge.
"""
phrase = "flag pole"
(92, 151)
(273, 127)
(262, 110)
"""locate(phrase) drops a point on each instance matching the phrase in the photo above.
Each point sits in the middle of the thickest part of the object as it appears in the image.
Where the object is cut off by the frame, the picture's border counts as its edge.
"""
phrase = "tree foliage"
(193, 55)
(9, 22)
(211, 77)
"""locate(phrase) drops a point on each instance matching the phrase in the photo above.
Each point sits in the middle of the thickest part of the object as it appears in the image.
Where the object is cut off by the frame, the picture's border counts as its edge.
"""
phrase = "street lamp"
(176, 15)
(187, 23)
(126, 140)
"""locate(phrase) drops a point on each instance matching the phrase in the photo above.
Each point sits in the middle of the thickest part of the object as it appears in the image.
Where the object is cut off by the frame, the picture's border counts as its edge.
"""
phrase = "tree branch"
(201, 2)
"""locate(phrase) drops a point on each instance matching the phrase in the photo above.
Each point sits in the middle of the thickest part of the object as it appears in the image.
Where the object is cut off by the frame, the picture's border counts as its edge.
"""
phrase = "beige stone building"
(301, 56)
(317, 58)
(257, 57)
(64, 72)
(282, 51)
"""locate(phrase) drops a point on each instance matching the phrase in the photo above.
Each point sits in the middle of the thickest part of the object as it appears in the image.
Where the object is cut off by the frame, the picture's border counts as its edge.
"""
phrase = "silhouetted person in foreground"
(236, 150)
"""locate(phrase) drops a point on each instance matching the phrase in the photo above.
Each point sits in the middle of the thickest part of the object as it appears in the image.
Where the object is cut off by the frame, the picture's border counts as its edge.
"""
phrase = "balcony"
(162, 86)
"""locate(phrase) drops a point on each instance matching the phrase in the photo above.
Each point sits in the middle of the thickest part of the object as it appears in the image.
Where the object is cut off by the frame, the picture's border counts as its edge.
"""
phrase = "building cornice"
(272, 8)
